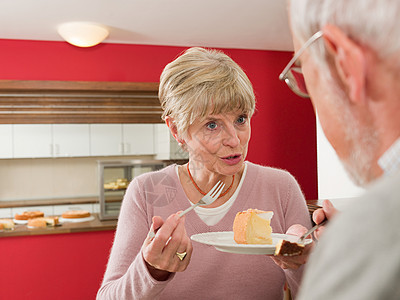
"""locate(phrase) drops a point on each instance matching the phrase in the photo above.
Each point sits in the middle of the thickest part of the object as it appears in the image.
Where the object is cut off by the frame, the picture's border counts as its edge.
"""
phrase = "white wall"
(333, 181)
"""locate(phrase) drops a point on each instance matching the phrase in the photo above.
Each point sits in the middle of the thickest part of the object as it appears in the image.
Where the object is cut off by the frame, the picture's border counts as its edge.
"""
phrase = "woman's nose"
(230, 137)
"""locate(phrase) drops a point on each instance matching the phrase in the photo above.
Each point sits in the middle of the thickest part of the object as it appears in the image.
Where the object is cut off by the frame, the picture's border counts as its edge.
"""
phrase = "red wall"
(283, 128)
(283, 135)
(65, 266)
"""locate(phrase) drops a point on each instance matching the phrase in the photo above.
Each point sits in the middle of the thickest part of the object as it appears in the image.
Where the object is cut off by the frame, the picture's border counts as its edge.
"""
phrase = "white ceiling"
(243, 24)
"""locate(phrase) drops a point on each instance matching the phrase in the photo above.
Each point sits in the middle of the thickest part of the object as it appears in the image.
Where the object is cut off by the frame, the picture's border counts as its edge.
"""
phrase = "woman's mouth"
(232, 159)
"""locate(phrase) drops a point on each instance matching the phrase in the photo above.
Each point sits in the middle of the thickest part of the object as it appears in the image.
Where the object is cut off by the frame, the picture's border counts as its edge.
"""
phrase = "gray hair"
(200, 82)
(372, 23)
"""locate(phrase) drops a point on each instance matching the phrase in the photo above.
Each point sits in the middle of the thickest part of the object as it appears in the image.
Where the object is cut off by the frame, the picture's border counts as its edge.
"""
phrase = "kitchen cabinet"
(47, 140)
(166, 146)
(71, 140)
(82, 140)
(6, 138)
(106, 139)
(121, 139)
(32, 140)
(138, 139)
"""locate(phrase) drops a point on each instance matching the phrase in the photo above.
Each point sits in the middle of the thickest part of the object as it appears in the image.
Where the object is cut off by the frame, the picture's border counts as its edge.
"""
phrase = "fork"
(209, 198)
(301, 239)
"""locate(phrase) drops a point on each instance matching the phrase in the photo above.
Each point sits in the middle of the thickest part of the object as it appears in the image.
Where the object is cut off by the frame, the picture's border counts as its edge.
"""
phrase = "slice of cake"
(8, 224)
(253, 227)
(51, 221)
(286, 248)
(37, 223)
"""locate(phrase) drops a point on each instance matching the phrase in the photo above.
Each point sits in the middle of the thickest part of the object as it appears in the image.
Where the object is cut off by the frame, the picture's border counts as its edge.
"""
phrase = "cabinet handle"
(56, 149)
(121, 148)
(127, 148)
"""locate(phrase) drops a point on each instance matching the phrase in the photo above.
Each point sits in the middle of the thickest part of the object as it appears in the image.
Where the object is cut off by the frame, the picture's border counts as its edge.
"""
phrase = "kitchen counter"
(94, 225)
(66, 227)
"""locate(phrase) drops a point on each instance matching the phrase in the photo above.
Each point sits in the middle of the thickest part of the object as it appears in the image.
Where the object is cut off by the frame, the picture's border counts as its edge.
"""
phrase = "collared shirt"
(390, 160)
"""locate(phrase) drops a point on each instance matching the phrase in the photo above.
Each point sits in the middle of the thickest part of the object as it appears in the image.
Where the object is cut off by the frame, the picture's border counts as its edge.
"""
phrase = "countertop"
(94, 225)
(66, 227)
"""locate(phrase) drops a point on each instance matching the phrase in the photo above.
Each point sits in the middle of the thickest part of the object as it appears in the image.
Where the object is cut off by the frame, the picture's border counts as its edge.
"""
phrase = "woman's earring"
(181, 143)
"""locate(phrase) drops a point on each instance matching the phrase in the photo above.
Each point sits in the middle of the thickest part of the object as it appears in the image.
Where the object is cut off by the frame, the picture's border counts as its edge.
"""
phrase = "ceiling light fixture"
(83, 34)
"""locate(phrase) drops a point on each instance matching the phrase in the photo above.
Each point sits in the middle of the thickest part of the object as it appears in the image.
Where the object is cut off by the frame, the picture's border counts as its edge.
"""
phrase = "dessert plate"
(20, 222)
(223, 241)
(76, 220)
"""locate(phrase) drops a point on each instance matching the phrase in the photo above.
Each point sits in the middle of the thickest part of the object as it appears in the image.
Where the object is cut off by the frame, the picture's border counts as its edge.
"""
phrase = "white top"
(212, 216)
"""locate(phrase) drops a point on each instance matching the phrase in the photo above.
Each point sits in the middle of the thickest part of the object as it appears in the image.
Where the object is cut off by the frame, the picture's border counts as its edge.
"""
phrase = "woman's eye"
(241, 120)
(212, 125)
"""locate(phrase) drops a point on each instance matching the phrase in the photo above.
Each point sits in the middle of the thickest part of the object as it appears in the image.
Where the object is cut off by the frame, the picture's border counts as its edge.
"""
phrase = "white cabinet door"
(106, 139)
(166, 146)
(138, 139)
(71, 140)
(6, 141)
(32, 140)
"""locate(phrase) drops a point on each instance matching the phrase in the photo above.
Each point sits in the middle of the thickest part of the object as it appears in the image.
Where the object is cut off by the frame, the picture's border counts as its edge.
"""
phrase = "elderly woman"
(208, 102)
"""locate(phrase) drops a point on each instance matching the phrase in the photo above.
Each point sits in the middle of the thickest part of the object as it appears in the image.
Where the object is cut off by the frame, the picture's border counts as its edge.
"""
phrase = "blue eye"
(241, 120)
(212, 125)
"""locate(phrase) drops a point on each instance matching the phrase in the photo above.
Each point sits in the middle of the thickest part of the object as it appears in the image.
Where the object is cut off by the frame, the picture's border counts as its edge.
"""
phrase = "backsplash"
(51, 178)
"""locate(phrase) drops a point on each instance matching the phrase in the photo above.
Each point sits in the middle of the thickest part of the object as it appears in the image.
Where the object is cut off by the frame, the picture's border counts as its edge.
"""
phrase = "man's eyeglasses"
(293, 75)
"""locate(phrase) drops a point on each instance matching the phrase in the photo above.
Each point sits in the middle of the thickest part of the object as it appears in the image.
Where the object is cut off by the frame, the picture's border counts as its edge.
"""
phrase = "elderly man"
(349, 54)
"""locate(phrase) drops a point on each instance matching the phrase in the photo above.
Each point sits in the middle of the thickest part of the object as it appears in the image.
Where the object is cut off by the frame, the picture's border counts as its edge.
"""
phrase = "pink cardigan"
(211, 274)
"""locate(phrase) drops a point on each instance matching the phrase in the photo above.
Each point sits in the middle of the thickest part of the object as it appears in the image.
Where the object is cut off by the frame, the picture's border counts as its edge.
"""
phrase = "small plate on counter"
(20, 222)
(76, 220)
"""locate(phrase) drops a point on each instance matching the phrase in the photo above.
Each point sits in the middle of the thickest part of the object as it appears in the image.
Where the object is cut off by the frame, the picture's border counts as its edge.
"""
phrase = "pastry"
(253, 227)
(121, 183)
(37, 223)
(26, 215)
(51, 221)
(8, 224)
(286, 248)
(76, 214)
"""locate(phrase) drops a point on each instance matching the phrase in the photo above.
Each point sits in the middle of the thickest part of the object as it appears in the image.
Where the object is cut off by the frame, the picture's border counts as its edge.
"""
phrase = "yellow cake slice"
(253, 227)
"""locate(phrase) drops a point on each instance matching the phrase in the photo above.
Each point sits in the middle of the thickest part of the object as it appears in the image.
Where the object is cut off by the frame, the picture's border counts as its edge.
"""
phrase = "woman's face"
(219, 143)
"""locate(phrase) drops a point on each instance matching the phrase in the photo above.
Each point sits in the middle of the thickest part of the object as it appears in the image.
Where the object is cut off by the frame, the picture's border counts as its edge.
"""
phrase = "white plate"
(223, 241)
(20, 222)
(76, 220)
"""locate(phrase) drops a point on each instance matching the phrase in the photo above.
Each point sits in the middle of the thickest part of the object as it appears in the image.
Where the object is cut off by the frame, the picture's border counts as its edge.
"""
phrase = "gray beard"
(362, 141)
(363, 144)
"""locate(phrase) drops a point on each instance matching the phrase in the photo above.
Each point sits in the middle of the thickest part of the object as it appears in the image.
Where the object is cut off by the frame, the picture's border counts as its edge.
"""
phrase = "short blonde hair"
(202, 82)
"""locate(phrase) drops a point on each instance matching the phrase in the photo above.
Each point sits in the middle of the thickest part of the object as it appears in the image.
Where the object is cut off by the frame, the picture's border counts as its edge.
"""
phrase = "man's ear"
(173, 129)
(349, 60)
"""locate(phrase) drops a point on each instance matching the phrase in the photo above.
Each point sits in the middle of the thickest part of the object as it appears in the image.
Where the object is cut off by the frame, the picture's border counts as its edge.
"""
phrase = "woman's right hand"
(328, 211)
(159, 251)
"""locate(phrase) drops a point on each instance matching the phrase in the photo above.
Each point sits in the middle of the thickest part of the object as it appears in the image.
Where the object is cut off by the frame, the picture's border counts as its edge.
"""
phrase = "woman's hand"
(296, 261)
(328, 211)
(160, 251)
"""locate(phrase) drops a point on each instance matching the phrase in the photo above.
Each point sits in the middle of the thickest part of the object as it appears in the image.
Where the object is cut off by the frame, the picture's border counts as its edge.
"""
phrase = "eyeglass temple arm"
(312, 39)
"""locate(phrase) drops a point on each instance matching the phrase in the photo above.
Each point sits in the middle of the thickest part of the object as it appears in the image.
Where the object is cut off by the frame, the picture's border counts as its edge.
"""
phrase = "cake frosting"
(253, 227)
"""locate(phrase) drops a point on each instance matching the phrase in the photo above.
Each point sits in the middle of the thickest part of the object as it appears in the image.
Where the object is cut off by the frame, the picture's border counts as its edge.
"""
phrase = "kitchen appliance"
(114, 178)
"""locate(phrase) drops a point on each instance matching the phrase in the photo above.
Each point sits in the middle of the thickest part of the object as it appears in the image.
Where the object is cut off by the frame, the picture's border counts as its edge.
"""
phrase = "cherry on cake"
(253, 227)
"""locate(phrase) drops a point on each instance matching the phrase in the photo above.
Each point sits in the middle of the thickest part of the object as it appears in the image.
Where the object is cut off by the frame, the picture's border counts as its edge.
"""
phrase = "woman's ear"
(173, 129)
(349, 61)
